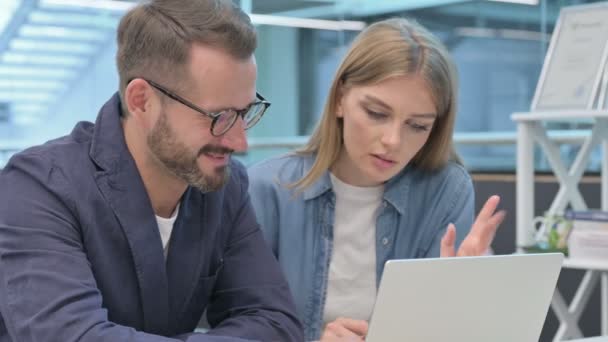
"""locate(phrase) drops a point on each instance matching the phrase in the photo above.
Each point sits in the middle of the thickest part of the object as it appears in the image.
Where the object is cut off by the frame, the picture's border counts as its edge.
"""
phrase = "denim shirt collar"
(395, 190)
(320, 186)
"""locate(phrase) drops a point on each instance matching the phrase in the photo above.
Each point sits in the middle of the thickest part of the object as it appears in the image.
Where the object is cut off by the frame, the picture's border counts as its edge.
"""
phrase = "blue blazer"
(81, 257)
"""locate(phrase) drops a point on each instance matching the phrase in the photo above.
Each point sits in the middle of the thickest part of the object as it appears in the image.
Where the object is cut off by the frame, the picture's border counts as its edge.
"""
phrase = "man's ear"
(138, 100)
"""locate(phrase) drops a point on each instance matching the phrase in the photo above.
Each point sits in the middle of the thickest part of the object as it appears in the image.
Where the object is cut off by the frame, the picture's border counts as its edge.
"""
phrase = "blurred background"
(57, 66)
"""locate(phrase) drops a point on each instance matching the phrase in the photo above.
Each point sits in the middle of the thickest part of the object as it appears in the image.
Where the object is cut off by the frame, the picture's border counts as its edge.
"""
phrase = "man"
(128, 229)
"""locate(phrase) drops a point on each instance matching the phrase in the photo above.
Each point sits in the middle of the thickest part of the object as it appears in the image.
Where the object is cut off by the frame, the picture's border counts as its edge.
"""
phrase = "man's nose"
(235, 138)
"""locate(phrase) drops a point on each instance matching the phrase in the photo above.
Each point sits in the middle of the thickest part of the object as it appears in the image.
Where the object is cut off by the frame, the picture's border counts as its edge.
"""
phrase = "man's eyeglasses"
(225, 119)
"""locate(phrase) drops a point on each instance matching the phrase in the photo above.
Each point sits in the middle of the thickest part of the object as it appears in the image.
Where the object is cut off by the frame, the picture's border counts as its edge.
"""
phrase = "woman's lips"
(382, 162)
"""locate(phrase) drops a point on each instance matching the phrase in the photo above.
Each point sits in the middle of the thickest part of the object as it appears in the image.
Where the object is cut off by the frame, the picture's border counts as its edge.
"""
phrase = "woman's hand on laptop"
(345, 330)
(481, 235)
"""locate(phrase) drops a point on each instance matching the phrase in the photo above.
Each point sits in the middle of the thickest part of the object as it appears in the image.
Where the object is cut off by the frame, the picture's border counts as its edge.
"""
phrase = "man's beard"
(178, 160)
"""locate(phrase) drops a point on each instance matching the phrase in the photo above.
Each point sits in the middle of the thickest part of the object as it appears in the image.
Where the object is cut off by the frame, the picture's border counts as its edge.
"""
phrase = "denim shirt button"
(385, 241)
(384, 204)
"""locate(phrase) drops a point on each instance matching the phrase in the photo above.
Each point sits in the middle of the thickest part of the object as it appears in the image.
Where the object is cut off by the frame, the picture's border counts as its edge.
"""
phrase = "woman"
(378, 180)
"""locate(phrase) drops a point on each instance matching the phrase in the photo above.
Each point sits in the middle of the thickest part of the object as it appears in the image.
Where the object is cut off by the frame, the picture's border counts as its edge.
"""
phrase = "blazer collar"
(120, 182)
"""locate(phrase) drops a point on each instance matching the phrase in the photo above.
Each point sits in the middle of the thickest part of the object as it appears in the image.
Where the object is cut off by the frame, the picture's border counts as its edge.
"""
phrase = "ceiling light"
(319, 24)
(74, 19)
(28, 108)
(258, 19)
(37, 45)
(42, 73)
(485, 32)
(7, 9)
(10, 96)
(109, 5)
(522, 2)
(42, 59)
(28, 85)
(26, 119)
(59, 32)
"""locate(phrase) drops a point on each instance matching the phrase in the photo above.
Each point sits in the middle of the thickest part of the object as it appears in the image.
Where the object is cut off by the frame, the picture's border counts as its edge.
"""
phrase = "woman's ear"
(339, 112)
(339, 100)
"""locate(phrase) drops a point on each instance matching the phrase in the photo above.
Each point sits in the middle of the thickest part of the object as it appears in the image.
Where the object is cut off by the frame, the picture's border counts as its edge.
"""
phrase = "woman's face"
(385, 125)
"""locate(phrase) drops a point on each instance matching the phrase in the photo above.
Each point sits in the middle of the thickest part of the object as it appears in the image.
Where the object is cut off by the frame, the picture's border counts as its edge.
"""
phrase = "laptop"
(473, 299)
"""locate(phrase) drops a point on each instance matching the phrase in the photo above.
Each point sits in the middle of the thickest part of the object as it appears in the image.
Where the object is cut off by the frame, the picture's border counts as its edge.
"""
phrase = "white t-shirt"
(351, 287)
(165, 226)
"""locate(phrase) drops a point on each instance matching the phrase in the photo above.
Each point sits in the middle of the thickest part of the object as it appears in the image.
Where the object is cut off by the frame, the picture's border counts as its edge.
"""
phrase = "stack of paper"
(589, 237)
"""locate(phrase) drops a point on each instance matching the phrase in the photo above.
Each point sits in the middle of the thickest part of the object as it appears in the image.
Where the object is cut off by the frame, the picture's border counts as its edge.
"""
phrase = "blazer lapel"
(119, 181)
(185, 258)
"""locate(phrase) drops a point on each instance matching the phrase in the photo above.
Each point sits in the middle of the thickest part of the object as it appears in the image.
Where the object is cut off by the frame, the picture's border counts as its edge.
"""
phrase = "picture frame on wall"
(575, 61)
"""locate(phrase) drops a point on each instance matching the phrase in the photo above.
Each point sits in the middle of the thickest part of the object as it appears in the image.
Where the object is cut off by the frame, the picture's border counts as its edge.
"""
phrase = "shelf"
(559, 115)
(585, 264)
(531, 130)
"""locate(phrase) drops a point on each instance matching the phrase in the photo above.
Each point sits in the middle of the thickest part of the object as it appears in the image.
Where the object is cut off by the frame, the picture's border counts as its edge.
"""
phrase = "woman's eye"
(418, 128)
(375, 115)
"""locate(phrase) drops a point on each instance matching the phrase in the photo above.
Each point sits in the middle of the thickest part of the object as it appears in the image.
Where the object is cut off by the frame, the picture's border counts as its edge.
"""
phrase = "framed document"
(574, 65)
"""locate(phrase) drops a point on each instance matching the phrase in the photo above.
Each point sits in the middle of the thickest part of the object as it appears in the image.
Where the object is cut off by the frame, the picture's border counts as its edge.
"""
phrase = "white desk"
(531, 130)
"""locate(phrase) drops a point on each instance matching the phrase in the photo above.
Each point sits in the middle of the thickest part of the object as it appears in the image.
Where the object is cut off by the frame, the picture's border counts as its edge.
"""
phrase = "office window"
(57, 66)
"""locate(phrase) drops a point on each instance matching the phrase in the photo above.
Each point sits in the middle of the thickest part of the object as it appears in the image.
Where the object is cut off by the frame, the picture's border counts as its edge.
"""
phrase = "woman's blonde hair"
(389, 48)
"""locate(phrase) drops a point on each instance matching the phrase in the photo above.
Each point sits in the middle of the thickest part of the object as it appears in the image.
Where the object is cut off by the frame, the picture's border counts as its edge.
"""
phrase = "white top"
(351, 284)
(165, 226)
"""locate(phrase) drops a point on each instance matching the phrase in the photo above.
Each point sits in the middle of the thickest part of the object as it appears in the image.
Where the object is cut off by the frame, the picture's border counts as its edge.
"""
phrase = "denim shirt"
(416, 209)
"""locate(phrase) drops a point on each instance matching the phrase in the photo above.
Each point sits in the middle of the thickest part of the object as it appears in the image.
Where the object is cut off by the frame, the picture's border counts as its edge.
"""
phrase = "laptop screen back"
(489, 298)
